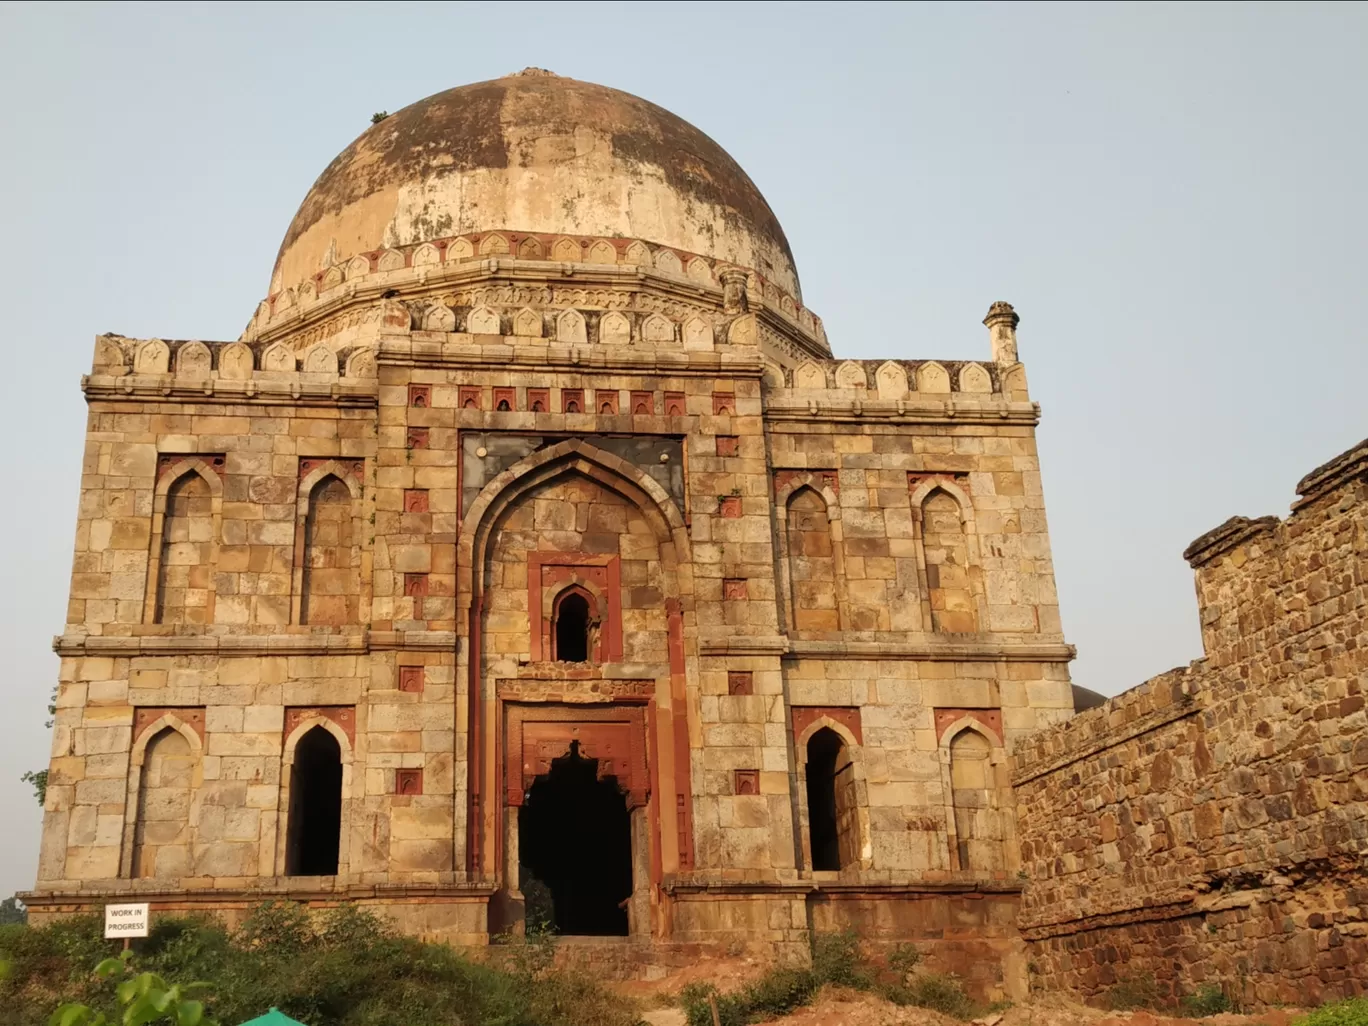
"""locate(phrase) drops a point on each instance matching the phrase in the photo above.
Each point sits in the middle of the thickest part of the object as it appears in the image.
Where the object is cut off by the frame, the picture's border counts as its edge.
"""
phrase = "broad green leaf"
(190, 1013)
(70, 1014)
(109, 968)
(126, 991)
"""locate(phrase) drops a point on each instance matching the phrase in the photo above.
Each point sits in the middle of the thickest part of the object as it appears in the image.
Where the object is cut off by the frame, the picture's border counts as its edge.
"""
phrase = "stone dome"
(535, 153)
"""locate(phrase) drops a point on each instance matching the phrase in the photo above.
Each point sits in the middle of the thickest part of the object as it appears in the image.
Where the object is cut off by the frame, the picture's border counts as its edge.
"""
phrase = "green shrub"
(343, 967)
(1209, 999)
(937, 991)
(1132, 992)
(836, 960)
(1352, 1012)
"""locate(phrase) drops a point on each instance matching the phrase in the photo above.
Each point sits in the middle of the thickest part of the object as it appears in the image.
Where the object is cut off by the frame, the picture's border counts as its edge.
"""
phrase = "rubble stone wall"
(1211, 825)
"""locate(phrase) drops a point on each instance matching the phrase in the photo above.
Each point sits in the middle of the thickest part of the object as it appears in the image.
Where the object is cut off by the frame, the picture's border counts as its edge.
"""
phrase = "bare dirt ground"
(838, 1007)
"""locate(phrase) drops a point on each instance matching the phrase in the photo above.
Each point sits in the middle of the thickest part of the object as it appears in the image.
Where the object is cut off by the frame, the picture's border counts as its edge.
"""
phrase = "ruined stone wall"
(1211, 825)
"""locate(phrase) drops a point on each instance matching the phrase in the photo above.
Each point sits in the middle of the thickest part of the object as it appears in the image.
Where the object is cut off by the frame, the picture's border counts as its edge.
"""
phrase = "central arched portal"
(575, 849)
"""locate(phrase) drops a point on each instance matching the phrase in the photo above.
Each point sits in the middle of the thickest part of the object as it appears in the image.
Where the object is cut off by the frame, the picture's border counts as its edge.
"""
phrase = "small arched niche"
(161, 837)
(812, 563)
(315, 829)
(833, 815)
(978, 827)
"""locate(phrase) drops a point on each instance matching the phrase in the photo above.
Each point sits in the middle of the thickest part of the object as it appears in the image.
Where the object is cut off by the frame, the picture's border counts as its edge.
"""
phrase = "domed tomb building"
(530, 556)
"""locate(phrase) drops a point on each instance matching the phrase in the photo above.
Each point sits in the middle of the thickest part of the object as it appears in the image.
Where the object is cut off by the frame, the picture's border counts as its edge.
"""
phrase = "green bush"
(836, 960)
(1352, 1012)
(1209, 999)
(344, 967)
(937, 991)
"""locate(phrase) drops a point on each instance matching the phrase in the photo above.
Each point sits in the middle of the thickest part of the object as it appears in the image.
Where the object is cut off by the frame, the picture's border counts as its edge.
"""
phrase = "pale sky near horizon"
(1171, 196)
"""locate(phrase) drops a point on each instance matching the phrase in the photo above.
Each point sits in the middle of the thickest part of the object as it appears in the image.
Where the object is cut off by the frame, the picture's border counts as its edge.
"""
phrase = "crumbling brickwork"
(1211, 825)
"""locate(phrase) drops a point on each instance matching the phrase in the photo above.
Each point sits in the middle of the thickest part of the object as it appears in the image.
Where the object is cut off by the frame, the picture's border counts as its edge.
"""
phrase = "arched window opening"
(946, 551)
(330, 588)
(161, 836)
(315, 806)
(573, 624)
(572, 406)
(186, 567)
(812, 564)
(833, 818)
(538, 406)
(503, 406)
(978, 827)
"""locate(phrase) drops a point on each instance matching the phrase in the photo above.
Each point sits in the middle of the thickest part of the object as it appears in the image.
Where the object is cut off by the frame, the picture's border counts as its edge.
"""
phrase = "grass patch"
(343, 967)
(1351, 1012)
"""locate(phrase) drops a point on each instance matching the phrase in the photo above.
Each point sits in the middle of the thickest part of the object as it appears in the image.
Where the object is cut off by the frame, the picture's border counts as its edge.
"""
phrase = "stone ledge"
(929, 649)
(694, 886)
(254, 644)
(287, 390)
(120, 890)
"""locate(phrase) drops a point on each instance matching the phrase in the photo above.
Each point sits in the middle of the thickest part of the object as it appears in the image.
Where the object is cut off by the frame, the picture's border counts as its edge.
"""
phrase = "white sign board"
(126, 920)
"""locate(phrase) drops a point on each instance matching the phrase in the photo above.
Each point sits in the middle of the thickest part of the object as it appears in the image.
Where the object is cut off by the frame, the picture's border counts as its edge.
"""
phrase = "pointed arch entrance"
(574, 504)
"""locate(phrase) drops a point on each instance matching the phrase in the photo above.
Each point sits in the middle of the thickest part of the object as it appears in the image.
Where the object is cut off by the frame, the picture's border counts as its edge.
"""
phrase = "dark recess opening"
(315, 806)
(823, 749)
(572, 629)
(575, 840)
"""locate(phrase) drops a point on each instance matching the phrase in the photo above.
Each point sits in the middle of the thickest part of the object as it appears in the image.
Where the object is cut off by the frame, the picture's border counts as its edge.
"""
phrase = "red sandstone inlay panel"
(643, 402)
(420, 396)
(411, 679)
(724, 402)
(415, 500)
(746, 781)
(740, 682)
(549, 573)
(408, 781)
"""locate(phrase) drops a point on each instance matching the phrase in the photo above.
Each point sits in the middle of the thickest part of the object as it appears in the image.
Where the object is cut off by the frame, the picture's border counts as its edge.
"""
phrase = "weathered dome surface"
(538, 153)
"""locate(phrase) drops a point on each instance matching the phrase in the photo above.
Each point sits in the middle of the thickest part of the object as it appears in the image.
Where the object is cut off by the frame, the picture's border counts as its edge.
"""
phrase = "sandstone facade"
(1211, 826)
(478, 494)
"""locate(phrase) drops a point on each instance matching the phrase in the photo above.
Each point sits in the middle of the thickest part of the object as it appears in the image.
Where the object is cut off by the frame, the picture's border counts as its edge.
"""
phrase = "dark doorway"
(824, 762)
(572, 628)
(315, 806)
(575, 840)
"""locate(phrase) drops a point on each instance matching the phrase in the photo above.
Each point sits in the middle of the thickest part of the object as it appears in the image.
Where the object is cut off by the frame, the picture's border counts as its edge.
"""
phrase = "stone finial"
(733, 289)
(1001, 323)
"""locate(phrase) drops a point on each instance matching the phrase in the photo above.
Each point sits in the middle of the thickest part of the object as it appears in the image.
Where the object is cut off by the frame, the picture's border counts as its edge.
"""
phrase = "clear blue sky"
(1172, 197)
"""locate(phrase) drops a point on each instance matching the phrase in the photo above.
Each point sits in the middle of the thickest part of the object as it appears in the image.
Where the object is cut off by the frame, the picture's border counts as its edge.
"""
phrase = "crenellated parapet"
(234, 371)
